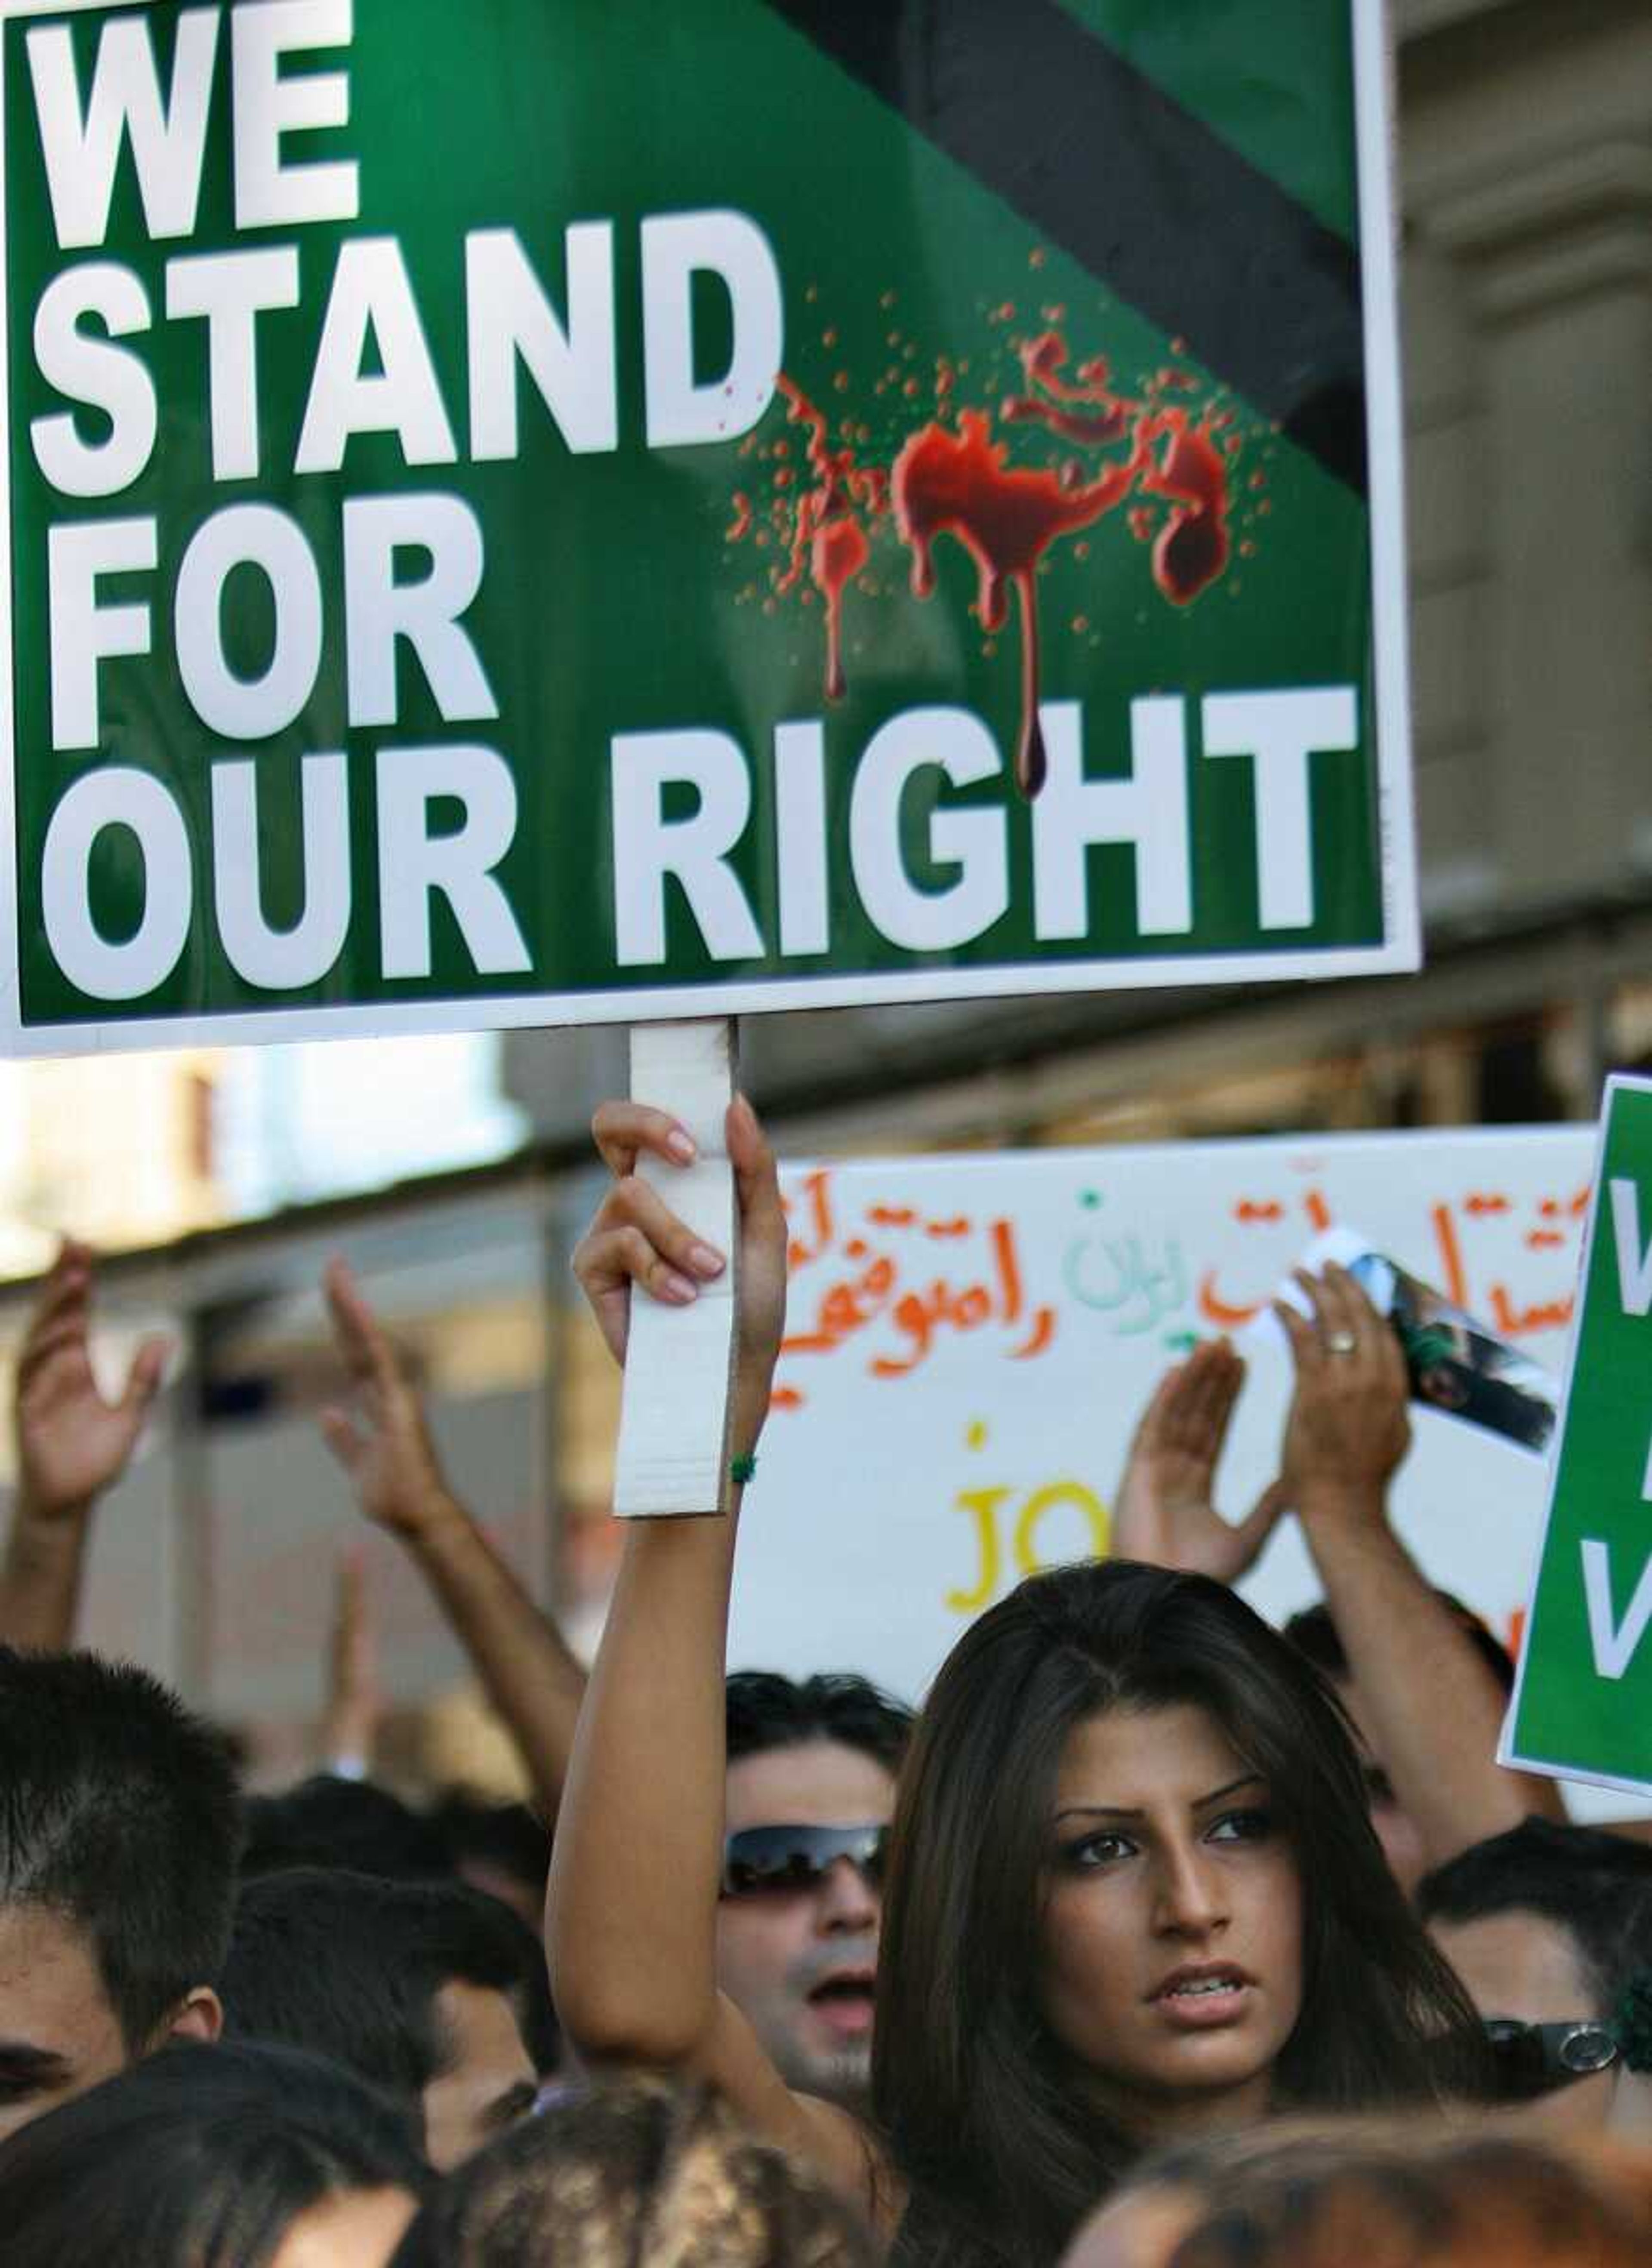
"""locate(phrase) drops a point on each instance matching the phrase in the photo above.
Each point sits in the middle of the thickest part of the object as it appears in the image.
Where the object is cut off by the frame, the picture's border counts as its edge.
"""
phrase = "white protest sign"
(972, 1339)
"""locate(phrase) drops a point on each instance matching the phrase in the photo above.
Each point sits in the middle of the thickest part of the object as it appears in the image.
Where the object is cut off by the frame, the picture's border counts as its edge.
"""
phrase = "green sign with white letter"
(574, 509)
(1583, 1705)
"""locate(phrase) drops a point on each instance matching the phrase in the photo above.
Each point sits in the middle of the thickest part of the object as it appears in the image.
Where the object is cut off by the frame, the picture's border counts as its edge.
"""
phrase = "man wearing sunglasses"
(1546, 1926)
(810, 1791)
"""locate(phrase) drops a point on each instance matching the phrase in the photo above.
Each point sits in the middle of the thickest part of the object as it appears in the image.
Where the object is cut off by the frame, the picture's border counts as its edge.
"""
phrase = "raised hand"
(637, 1240)
(1165, 1511)
(383, 1440)
(73, 1443)
(384, 1444)
(1349, 1425)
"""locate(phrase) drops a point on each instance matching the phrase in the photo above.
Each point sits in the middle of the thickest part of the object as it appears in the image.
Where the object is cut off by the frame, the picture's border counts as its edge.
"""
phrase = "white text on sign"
(1613, 1642)
(1145, 809)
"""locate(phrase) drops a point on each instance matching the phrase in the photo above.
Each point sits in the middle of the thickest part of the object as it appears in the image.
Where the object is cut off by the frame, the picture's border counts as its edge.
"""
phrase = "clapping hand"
(1165, 1513)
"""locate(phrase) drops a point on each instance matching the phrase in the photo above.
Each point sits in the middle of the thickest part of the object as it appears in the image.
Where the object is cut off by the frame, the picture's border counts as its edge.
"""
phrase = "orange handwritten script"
(1517, 1269)
(1513, 1261)
(891, 1282)
(1293, 1225)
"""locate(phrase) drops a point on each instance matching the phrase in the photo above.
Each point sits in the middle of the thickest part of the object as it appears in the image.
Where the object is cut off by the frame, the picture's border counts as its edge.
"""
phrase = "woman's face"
(1172, 1956)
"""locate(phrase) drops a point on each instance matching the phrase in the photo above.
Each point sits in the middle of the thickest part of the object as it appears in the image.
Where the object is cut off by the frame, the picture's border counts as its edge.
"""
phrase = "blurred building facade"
(1525, 190)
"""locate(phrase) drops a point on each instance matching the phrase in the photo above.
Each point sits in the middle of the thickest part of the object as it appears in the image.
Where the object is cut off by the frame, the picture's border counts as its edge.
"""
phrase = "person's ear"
(199, 2015)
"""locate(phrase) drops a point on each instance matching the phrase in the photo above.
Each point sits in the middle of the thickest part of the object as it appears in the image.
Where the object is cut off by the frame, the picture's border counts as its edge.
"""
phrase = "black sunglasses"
(797, 1858)
(1530, 2059)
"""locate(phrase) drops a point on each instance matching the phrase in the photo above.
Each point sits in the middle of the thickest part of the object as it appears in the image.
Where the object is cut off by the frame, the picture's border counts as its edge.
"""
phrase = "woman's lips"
(1204, 1996)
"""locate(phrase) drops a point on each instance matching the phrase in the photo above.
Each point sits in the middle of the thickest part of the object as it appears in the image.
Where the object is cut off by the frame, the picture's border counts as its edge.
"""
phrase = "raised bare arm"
(632, 1905)
(1434, 1705)
(384, 1447)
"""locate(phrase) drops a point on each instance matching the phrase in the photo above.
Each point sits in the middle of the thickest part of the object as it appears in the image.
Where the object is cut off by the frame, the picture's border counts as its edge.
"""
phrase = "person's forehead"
(1130, 1759)
(51, 1994)
(479, 2024)
(1518, 1963)
(478, 2015)
(43, 1949)
(810, 1783)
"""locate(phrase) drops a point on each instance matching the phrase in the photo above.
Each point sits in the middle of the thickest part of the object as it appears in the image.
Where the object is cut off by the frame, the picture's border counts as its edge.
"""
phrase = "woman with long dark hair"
(1133, 1890)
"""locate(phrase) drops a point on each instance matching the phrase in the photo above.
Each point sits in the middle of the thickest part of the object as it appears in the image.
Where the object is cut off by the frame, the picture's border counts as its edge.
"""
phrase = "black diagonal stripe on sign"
(1104, 163)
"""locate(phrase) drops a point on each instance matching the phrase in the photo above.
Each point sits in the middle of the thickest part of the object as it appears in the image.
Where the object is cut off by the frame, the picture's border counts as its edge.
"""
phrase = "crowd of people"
(1157, 1938)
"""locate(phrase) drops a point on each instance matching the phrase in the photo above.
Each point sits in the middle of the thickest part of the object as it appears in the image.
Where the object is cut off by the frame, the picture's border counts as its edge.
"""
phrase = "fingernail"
(681, 1145)
(677, 1288)
(704, 1261)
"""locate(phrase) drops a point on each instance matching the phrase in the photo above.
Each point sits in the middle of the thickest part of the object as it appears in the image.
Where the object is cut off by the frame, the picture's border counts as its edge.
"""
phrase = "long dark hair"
(198, 2157)
(979, 2104)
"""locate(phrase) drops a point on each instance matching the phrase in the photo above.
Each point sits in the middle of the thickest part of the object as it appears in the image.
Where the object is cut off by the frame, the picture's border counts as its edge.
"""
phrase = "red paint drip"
(826, 529)
(1006, 518)
(1192, 546)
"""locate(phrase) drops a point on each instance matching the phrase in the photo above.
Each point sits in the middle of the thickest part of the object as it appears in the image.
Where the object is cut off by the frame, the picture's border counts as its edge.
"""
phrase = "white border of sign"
(1400, 952)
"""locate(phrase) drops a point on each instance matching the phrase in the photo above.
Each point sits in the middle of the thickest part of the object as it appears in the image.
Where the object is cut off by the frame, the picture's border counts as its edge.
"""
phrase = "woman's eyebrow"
(1245, 1780)
(1123, 1811)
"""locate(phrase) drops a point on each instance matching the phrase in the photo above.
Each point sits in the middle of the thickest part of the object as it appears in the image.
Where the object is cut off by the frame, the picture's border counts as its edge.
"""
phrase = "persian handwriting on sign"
(1117, 1276)
(886, 1287)
(1555, 1225)
(1232, 1314)
(1482, 1289)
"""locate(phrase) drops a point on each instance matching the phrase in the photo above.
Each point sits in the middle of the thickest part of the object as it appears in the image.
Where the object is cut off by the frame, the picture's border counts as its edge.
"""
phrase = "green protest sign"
(1583, 1704)
(574, 509)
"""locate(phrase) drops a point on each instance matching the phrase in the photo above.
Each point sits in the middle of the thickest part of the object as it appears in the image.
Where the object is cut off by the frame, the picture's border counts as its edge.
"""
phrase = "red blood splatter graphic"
(951, 475)
(826, 529)
(1106, 419)
(1193, 546)
(1006, 518)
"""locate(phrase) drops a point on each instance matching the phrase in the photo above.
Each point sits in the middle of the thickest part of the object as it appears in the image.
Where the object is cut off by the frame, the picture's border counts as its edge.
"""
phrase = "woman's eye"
(1242, 1827)
(1094, 1850)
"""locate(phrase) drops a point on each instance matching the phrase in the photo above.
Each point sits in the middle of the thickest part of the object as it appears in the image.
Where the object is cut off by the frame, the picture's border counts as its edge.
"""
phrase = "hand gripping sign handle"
(673, 1450)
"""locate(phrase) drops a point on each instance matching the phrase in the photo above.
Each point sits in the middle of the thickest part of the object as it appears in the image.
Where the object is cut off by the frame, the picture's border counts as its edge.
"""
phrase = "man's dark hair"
(1313, 1632)
(204, 2154)
(329, 1822)
(1595, 1886)
(767, 1711)
(349, 1966)
(505, 1837)
(119, 1812)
